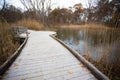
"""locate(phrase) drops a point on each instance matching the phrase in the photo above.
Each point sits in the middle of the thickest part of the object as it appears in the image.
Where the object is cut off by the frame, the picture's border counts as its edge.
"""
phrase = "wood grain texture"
(43, 58)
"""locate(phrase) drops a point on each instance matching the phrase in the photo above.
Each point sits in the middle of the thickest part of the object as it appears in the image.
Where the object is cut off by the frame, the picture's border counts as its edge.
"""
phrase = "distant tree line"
(98, 11)
(106, 12)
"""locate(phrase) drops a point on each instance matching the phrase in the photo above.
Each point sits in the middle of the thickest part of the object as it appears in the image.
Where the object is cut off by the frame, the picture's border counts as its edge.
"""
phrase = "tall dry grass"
(8, 43)
(86, 26)
(30, 24)
(108, 62)
(110, 69)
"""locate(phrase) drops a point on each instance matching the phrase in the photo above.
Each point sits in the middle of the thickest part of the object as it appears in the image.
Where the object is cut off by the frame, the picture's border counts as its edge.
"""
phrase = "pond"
(97, 44)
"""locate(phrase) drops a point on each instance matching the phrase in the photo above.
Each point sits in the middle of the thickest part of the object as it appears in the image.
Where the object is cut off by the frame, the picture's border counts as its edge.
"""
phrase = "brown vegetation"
(108, 62)
(30, 24)
(109, 69)
(8, 43)
(86, 26)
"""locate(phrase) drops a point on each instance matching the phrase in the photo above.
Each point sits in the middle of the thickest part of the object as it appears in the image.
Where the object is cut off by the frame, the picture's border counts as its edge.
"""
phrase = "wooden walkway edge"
(43, 58)
(9, 62)
(92, 68)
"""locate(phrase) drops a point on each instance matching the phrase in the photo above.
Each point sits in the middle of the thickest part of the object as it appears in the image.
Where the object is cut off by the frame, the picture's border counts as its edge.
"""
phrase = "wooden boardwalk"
(43, 58)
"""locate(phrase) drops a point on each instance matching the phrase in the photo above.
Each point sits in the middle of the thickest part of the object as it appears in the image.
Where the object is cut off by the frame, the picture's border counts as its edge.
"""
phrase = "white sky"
(68, 3)
(16, 3)
(56, 3)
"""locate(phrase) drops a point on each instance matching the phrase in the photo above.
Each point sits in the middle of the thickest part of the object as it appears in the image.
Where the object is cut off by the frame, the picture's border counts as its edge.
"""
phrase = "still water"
(97, 44)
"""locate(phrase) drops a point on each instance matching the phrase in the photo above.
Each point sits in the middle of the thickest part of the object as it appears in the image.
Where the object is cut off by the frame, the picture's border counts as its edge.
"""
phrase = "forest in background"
(98, 11)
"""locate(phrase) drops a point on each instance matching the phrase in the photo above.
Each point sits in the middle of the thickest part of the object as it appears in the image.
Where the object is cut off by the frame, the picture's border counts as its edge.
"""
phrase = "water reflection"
(95, 43)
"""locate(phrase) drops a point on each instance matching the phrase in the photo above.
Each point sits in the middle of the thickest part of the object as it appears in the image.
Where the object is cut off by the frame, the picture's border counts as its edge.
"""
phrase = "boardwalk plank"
(43, 58)
(84, 77)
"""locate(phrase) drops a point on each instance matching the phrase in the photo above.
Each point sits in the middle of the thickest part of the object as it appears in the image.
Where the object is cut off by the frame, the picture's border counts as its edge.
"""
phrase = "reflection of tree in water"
(93, 37)
(97, 42)
(101, 37)
(69, 35)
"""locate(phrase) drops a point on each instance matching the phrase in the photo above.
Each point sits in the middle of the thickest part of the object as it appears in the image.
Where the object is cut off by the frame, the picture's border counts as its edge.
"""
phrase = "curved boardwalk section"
(43, 58)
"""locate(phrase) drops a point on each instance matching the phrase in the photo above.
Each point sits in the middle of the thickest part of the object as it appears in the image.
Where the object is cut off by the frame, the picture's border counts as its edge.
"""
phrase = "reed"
(85, 26)
(30, 24)
(8, 44)
(107, 60)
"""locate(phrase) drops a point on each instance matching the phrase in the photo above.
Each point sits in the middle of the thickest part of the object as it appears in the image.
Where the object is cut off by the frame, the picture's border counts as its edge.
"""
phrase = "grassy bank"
(109, 69)
(30, 24)
(108, 62)
(86, 26)
(8, 44)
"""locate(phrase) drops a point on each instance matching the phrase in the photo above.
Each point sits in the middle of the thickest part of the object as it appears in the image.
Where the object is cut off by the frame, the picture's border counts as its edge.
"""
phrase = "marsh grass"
(86, 26)
(8, 44)
(110, 69)
(107, 62)
(30, 24)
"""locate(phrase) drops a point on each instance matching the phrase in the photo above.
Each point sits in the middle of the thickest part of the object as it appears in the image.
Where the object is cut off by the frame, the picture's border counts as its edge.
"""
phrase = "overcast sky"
(68, 3)
(56, 3)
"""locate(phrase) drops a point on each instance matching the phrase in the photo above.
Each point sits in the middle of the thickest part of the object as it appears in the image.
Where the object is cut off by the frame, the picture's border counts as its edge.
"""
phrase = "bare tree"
(78, 13)
(91, 3)
(40, 7)
(90, 8)
(3, 6)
